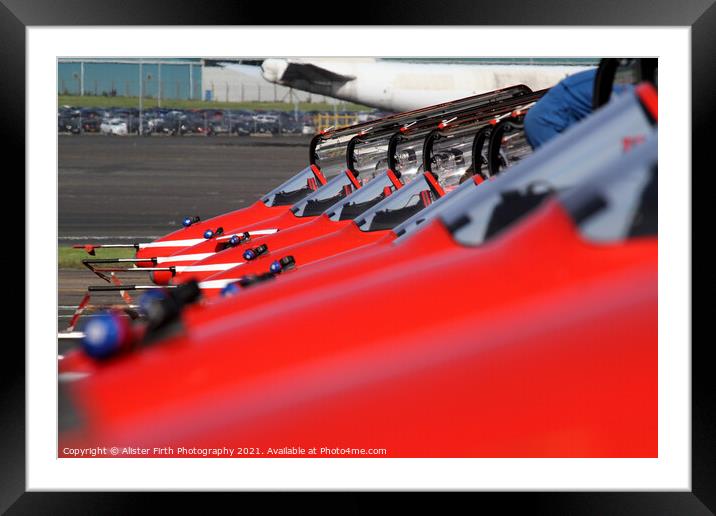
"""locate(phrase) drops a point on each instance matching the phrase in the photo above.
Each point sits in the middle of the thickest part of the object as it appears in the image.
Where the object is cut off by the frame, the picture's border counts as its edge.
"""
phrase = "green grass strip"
(133, 102)
(70, 258)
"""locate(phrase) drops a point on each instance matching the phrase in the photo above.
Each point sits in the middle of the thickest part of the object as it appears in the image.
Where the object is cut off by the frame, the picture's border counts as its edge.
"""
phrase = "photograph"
(341, 257)
(391, 256)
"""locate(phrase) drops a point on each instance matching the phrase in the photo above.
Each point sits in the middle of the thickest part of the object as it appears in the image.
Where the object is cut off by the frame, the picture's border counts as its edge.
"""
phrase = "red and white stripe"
(78, 311)
(208, 267)
(194, 241)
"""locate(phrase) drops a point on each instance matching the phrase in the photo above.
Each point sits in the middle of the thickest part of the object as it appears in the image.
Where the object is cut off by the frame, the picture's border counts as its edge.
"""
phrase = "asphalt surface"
(72, 287)
(114, 187)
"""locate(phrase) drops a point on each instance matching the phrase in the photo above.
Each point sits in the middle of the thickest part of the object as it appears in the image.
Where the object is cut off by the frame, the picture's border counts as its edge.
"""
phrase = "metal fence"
(230, 123)
(254, 91)
(325, 121)
(178, 79)
(156, 78)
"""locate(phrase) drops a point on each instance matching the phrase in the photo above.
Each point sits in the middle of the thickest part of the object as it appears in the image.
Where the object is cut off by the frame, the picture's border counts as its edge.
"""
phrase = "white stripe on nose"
(219, 283)
(208, 267)
(184, 257)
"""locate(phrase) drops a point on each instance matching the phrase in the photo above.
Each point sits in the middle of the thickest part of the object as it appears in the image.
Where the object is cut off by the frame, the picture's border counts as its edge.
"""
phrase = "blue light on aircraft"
(230, 289)
(103, 335)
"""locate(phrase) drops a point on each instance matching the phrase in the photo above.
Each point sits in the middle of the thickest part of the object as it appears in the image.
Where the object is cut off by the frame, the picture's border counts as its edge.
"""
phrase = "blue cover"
(567, 102)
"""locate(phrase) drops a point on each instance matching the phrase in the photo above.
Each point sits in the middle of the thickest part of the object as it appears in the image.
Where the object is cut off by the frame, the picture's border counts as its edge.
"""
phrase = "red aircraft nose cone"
(160, 277)
(145, 253)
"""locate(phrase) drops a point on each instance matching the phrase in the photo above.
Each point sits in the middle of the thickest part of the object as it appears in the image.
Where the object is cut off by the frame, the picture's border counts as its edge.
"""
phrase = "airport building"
(154, 78)
(166, 78)
(231, 85)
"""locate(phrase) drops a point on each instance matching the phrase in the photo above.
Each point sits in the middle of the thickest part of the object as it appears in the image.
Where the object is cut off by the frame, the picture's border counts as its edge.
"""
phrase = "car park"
(207, 121)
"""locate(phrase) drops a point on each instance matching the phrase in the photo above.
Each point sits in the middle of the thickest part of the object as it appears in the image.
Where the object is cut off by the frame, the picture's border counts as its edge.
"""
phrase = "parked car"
(289, 124)
(134, 126)
(241, 125)
(91, 125)
(115, 126)
(183, 121)
(178, 125)
(68, 123)
(266, 124)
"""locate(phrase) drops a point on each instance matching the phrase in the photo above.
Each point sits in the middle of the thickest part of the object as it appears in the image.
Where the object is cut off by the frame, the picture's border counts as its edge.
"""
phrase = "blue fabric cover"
(567, 102)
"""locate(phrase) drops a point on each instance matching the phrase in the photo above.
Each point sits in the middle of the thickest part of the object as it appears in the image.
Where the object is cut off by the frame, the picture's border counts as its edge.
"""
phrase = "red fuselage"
(535, 344)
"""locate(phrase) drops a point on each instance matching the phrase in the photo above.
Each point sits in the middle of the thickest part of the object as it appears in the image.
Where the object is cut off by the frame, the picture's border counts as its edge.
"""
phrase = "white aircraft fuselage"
(402, 86)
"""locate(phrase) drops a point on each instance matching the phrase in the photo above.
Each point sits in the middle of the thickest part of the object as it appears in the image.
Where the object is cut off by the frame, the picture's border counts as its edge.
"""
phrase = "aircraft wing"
(312, 74)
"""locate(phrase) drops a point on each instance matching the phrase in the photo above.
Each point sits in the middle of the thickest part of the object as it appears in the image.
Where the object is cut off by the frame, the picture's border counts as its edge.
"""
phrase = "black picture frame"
(700, 15)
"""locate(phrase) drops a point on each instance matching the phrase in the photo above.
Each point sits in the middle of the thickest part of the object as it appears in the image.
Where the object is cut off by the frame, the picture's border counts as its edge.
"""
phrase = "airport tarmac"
(119, 187)
(144, 186)
(72, 286)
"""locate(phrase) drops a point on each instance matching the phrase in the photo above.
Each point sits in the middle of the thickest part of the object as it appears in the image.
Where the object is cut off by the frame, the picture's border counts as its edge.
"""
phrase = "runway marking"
(71, 335)
(74, 307)
(71, 377)
(98, 237)
(187, 242)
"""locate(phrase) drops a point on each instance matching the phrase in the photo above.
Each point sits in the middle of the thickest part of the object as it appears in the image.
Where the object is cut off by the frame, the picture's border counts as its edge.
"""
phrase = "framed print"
(175, 47)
